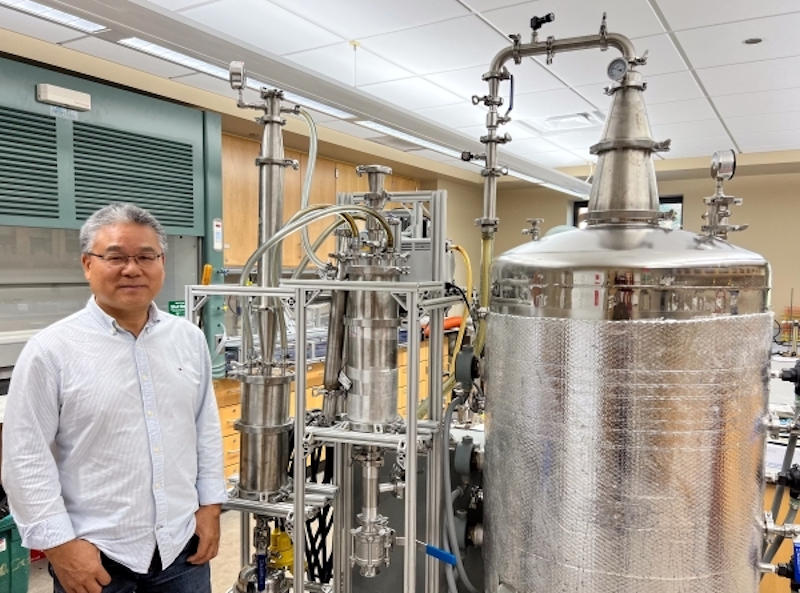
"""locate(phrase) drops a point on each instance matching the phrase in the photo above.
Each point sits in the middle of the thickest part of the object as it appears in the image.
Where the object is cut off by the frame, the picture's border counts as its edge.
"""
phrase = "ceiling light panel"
(764, 102)
(356, 19)
(587, 67)
(171, 55)
(262, 25)
(549, 103)
(782, 73)
(412, 93)
(577, 17)
(664, 88)
(350, 67)
(439, 47)
(57, 16)
(460, 115)
(409, 139)
(177, 4)
(722, 44)
(516, 128)
(553, 158)
(688, 14)
(214, 85)
(528, 145)
(348, 128)
(35, 27)
(128, 57)
(679, 111)
(529, 77)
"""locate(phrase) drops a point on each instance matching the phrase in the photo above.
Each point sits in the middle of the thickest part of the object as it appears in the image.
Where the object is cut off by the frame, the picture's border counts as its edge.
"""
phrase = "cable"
(448, 501)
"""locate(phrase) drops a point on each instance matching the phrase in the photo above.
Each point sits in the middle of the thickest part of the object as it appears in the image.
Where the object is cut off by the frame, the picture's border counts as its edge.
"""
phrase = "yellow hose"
(463, 327)
(487, 251)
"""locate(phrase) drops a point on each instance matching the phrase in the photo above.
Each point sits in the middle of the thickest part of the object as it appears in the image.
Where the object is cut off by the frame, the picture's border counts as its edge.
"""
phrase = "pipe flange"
(293, 163)
(635, 143)
(262, 428)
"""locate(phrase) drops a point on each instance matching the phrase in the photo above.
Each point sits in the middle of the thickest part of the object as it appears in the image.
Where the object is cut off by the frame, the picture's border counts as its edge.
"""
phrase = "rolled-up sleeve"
(30, 474)
(210, 472)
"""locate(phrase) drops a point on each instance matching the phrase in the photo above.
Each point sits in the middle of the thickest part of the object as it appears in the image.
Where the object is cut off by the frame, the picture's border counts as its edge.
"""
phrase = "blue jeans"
(178, 577)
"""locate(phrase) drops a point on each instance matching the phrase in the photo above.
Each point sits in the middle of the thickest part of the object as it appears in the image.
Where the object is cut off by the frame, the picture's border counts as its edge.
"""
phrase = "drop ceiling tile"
(262, 25)
(664, 88)
(764, 123)
(761, 103)
(577, 140)
(723, 44)
(680, 111)
(352, 68)
(548, 103)
(529, 77)
(439, 47)
(127, 57)
(32, 26)
(687, 14)
(585, 67)
(362, 18)
(412, 93)
(577, 17)
(459, 115)
(697, 147)
(349, 128)
(766, 142)
(708, 128)
(781, 73)
(595, 94)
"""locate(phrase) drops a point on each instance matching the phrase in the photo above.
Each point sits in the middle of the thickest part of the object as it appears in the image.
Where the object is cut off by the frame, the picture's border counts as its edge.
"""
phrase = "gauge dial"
(617, 69)
(723, 164)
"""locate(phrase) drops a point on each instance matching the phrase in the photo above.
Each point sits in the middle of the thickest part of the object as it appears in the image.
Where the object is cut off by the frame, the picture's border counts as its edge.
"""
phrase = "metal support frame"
(307, 497)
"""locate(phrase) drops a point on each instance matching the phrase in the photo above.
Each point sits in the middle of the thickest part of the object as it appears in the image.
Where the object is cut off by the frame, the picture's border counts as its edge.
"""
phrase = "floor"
(224, 568)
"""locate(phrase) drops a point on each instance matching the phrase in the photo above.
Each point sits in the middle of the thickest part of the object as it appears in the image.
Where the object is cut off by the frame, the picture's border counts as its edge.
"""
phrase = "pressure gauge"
(617, 69)
(723, 164)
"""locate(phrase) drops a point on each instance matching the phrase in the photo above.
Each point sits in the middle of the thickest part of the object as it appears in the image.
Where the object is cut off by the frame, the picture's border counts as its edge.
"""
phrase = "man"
(112, 449)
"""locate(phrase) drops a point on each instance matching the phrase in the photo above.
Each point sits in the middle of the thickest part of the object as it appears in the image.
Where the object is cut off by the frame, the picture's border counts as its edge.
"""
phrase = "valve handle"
(538, 22)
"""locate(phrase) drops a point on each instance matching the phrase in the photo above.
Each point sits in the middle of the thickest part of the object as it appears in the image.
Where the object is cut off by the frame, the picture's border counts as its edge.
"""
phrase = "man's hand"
(77, 566)
(207, 530)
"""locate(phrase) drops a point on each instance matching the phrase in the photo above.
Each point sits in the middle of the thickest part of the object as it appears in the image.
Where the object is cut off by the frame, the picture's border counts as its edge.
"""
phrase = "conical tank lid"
(624, 188)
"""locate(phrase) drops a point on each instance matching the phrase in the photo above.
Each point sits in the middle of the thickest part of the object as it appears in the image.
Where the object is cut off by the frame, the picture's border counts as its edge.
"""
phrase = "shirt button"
(149, 412)
(157, 450)
(158, 486)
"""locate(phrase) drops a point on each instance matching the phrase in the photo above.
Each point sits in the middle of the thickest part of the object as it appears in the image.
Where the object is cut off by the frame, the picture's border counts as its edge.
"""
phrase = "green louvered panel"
(116, 166)
(28, 165)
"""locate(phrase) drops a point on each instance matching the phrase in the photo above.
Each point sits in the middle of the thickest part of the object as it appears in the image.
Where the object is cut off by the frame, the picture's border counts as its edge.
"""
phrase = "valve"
(791, 479)
(538, 22)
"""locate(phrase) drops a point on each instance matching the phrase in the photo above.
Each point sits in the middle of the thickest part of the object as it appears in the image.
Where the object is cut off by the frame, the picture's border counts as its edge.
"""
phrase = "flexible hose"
(448, 569)
(305, 195)
(298, 221)
(487, 250)
(316, 245)
(448, 501)
(463, 327)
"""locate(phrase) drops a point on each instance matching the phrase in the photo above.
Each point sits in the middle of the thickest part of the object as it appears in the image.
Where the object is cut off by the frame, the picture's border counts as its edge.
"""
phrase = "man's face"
(127, 288)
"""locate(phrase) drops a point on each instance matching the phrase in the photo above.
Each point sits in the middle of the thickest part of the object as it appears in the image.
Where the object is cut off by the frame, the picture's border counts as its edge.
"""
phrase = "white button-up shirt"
(112, 438)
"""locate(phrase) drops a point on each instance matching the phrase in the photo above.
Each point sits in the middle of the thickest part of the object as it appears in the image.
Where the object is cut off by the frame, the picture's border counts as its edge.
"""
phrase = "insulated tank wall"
(626, 389)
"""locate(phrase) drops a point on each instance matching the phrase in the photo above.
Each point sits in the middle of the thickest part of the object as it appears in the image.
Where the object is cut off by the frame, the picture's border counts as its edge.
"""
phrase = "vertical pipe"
(244, 526)
(347, 506)
(339, 525)
(299, 433)
(410, 552)
(434, 461)
(270, 190)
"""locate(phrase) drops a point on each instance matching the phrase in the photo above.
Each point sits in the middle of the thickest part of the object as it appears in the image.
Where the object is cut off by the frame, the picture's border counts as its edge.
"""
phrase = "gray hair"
(119, 213)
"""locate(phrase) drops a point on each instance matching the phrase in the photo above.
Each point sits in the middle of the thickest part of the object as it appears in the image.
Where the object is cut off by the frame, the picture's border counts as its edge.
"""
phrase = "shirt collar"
(154, 315)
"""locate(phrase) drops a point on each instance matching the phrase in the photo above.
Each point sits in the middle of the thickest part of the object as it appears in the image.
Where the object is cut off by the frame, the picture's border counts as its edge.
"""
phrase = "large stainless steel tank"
(626, 387)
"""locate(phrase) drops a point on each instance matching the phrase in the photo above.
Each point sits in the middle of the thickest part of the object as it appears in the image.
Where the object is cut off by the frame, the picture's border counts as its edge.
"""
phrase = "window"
(666, 203)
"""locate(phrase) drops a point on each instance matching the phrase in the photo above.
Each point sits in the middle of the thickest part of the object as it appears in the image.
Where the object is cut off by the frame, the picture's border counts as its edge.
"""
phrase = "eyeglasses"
(118, 260)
